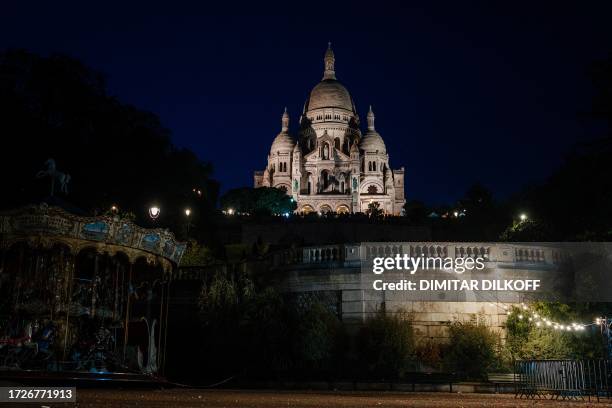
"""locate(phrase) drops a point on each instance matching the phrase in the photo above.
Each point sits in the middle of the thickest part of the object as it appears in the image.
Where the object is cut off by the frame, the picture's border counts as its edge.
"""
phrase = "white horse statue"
(54, 174)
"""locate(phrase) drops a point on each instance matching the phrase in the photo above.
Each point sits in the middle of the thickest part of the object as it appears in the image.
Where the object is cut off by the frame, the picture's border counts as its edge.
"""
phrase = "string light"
(540, 321)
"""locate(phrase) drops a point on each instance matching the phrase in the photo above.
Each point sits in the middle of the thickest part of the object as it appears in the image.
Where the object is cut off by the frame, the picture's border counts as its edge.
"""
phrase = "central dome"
(330, 93)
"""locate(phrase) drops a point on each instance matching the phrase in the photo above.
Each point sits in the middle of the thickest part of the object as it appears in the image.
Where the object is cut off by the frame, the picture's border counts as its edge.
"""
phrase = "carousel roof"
(48, 225)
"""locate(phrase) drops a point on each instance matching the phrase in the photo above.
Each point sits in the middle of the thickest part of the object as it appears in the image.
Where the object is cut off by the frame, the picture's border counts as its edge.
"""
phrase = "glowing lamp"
(154, 212)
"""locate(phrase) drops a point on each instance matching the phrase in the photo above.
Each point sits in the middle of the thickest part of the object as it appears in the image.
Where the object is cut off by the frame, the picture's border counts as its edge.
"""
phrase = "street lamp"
(188, 215)
(154, 212)
(523, 217)
(114, 209)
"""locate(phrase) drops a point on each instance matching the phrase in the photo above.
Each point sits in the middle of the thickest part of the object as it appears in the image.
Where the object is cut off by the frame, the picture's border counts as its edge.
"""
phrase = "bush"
(385, 345)
(471, 349)
(429, 352)
(197, 255)
(318, 340)
(528, 341)
(265, 334)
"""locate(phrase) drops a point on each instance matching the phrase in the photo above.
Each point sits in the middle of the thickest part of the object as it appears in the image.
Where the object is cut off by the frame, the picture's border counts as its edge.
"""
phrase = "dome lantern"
(285, 121)
(371, 119)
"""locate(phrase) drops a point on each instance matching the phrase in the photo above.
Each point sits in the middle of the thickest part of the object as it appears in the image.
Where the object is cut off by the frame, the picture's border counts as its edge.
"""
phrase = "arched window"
(374, 166)
(369, 166)
(337, 143)
(342, 186)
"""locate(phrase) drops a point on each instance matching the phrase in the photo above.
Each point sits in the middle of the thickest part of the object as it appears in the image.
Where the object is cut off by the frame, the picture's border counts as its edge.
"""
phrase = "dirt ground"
(267, 399)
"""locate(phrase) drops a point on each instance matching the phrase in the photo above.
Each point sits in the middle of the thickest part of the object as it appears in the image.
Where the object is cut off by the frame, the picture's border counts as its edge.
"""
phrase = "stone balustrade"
(492, 252)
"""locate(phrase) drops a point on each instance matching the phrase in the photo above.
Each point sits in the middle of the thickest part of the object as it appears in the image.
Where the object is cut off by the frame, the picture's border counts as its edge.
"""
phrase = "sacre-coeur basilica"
(330, 166)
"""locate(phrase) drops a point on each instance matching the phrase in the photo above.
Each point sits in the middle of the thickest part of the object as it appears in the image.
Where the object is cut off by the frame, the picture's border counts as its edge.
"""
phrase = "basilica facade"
(330, 166)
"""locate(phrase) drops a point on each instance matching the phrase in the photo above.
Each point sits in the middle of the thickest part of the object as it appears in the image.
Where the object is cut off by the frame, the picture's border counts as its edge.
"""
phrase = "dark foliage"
(471, 349)
(258, 201)
(385, 346)
(56, 107)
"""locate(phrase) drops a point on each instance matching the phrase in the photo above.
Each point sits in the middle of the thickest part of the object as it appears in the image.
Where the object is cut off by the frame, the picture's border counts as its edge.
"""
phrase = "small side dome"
(372, 141)
(283, 142)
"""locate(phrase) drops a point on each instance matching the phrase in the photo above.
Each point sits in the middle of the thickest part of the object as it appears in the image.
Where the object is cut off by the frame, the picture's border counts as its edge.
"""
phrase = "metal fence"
(563, 379)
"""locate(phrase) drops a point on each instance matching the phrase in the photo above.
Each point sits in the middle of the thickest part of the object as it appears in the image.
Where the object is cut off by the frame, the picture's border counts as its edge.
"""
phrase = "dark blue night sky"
(463, 92)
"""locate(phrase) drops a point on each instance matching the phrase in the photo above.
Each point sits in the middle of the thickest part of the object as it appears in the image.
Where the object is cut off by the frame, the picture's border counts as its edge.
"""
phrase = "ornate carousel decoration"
(83, 293)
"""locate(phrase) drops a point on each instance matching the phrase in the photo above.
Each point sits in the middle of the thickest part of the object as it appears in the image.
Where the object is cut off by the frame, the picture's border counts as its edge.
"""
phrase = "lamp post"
(523, 217)
(188, 215)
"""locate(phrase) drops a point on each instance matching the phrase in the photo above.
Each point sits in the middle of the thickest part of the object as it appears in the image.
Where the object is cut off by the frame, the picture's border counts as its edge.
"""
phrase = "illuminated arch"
(324, 209)
(343, 209)
(307, 209)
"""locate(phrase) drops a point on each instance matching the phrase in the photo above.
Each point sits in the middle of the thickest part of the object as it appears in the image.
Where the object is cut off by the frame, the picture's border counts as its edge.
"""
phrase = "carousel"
(83, 294)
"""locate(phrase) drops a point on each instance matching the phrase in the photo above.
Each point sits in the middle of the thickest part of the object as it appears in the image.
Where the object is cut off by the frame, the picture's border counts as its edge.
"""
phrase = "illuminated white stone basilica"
(333, 167)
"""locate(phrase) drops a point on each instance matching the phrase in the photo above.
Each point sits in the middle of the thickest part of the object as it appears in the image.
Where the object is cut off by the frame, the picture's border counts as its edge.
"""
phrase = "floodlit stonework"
(333, 167)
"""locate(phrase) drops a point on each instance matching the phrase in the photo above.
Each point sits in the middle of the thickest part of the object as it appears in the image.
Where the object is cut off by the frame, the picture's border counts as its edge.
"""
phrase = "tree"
(477, 199)
(317, 339)
(374, 210)
(416, 211)
(196, 255)
(222, 303)
(526, 340)
(56, 107)
(574, 202)
(525, 231)
(262, 200)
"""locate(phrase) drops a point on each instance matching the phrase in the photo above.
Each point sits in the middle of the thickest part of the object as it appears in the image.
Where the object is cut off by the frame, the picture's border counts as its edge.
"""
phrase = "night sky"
(463, 92)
